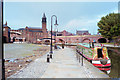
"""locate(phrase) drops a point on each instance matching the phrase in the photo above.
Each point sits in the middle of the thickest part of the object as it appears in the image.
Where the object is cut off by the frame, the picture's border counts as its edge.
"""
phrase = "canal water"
(114, 55)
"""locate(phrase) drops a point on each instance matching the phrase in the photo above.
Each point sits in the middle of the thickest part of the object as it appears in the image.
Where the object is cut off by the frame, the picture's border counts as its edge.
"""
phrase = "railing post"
(76, 54)
(79, 58)
(82, 56)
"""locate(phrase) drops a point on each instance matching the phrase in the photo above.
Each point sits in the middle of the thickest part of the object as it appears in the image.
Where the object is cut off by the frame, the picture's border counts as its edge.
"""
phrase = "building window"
(77, 39)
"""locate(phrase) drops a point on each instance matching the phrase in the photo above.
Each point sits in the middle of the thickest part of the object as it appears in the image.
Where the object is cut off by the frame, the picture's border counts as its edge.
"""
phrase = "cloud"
(115, 11)
(81, 24)
(103, 15)
(84, 23)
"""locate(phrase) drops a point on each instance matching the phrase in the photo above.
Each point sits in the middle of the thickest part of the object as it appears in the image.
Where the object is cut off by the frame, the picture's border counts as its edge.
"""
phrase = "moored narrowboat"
(98, 55)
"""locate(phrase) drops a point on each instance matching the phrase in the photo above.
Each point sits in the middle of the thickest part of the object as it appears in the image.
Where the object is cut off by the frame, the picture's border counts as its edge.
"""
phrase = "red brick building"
(29, 34)
(60, 33)
(82, 32)
(6, 32)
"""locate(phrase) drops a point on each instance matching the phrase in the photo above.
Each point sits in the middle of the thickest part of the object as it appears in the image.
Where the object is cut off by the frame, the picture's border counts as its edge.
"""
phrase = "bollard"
(51, 56)
(48, 58)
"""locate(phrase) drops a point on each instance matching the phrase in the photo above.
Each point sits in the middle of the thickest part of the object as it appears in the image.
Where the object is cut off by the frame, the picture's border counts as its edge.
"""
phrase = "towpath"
(63, 65)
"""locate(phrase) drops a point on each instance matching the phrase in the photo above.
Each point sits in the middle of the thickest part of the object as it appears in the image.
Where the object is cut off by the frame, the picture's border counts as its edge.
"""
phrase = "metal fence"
(79, 56)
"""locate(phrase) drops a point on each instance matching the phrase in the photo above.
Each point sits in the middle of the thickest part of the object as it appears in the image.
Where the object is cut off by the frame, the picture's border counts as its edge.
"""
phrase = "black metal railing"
(79, 56)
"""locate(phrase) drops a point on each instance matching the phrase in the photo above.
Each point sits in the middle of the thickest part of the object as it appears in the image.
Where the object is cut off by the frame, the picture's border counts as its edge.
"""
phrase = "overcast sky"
(72, 16)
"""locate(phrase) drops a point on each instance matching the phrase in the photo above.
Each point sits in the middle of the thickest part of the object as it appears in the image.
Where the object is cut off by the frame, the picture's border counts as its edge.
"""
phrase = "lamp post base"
(51, 52)
(48, 58)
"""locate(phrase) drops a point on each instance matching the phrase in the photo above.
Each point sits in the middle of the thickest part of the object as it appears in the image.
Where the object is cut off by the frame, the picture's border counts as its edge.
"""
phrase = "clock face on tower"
(44, 20)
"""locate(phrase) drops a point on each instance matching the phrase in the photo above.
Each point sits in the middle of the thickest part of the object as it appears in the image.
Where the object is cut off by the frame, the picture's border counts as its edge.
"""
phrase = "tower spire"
(6, 23)
(44, 15)
(44, 29)
(44, 18)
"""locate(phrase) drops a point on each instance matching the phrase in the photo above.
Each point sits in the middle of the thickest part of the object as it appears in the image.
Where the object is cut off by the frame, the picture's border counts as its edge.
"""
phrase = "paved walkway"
(63, 65)
(34, 70)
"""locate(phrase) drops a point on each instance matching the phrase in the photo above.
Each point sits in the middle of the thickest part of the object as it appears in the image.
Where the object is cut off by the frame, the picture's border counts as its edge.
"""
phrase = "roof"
(47, 38)
(21, 29)
(82, 31)
(82, 36)
(35, 31)
(34, 28)
(5, 26)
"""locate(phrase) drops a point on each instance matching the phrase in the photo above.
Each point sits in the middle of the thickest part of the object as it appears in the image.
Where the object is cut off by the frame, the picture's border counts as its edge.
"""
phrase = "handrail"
(79, 55)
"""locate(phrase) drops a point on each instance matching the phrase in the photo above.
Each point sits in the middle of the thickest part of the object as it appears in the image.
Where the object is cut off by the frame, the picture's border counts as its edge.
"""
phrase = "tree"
(109, 26)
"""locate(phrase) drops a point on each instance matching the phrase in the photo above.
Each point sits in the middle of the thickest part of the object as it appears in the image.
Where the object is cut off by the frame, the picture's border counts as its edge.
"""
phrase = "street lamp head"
(56, 23)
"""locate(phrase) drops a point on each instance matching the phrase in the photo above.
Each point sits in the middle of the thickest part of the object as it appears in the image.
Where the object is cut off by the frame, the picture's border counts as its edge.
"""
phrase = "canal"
(114, 55)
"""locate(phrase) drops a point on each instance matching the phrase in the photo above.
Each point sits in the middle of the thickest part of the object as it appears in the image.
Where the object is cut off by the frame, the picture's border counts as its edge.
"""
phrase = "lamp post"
(51, 51)
(56, 35)
(55, 47)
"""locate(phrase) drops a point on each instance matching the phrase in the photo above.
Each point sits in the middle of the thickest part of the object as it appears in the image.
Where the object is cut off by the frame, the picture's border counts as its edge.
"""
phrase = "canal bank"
(18, 56)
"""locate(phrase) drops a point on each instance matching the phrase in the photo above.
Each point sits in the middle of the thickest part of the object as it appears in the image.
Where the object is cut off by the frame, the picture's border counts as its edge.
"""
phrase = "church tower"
(44, 29)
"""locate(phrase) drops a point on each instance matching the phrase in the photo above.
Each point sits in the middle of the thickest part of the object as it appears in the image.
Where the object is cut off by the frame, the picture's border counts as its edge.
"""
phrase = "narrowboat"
(98, 56)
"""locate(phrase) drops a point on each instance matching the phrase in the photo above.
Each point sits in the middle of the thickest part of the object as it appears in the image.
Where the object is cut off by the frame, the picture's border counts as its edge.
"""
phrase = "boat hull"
(100, 66)
(103, 64)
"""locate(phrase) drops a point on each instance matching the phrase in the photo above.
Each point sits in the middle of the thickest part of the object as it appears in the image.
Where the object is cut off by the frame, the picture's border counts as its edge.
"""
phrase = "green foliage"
(109, 26)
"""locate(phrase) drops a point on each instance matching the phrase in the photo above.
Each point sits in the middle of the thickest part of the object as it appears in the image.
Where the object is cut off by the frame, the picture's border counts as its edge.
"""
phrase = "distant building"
(60, 33)
(82, 32)
(66, 33)
(29, 34)
(6, 33)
